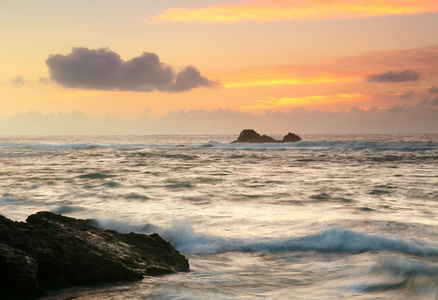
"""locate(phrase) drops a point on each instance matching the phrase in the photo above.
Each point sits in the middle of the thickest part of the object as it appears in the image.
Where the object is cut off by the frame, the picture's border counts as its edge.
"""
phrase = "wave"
(335, 145)
(336, 240)
(333, 241)
(391, 273)
(42, 146)
(11, 201)
(95, 176)
(302, 145)
(66, 209)
(134, 196)
(400, 267)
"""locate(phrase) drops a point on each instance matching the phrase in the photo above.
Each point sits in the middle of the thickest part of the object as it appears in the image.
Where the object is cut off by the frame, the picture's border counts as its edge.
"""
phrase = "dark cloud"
(433, 90)
(18, 81)
(424, 102)
(394, 76)
(434, 101)
(189, 78)
(396, 109)
(428, 101)
(102, 69)
(408, 95)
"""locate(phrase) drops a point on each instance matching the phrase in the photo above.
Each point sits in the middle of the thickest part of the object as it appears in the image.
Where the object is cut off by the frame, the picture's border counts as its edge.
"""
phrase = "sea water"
(329, 217)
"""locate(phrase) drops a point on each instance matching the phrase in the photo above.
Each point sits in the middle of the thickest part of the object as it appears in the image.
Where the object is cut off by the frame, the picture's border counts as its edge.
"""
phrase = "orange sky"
(295, 10)
(148, 59)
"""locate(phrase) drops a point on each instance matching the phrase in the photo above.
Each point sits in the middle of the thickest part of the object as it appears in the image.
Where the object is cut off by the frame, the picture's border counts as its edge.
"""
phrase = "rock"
(51, 251)
(291, 138)
(18, 275)
(251, 136)
(248, 136)
(267, 139)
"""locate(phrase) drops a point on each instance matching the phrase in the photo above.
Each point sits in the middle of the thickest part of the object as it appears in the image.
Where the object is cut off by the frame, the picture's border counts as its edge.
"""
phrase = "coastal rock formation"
(51, 251)
(251, 136)
(291, 138)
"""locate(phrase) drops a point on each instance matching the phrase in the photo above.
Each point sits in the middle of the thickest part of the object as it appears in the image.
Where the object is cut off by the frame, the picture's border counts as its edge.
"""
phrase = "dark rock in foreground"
(251, 136)
(51, 251)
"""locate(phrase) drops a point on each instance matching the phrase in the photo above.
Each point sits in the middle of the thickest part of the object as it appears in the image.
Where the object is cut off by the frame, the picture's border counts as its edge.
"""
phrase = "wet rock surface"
(251, 136)
(53, 251)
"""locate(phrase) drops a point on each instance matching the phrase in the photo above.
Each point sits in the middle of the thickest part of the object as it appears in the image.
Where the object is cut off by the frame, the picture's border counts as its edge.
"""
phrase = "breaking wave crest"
(336, 240)
(49, 147)
(302, 145)
(337, 145)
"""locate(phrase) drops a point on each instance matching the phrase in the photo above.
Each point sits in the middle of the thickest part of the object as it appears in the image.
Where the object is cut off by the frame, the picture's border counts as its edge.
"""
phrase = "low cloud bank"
(394, 76)
(429, 101)
(420, 118)
(433, 90)
(102, 69)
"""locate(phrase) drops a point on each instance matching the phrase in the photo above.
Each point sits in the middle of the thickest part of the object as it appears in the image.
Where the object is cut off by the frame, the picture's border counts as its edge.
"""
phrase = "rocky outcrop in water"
(51, 251)
(291, 138)
(251, 136)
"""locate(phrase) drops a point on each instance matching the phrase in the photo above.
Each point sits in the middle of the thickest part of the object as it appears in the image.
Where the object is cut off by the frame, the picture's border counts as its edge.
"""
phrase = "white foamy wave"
(80, 146)
(297, 146)
(181, 235)
(332, 145)
(48, 147)
(336, 240)
(124, 226)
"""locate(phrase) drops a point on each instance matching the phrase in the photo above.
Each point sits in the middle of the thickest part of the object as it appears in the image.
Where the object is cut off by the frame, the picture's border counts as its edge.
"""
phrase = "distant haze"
(397, 119)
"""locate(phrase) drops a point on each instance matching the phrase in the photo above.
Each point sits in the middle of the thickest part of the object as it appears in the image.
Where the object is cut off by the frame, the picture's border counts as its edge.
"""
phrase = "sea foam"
(336, 240)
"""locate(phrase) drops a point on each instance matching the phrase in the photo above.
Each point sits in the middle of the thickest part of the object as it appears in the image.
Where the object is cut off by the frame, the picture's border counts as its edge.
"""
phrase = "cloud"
(433, 90)
(408, 95)
(18, 81)
(102, 69)
(434, 101)
(189, 78)
(394, 76)
(293, 10)
(44, 80)
(428, 101)
(424, 102)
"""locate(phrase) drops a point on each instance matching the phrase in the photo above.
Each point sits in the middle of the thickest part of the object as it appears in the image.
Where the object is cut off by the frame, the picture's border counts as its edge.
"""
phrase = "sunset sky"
(182, 67)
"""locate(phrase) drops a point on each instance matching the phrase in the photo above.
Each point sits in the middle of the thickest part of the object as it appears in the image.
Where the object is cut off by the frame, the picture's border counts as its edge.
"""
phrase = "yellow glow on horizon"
(286, 81)
(286, 75)
(272, 102)
(288, 10)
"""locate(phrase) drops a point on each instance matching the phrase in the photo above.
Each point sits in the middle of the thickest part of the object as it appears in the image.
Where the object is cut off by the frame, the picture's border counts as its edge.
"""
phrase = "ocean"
(329, 217)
